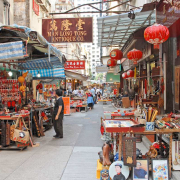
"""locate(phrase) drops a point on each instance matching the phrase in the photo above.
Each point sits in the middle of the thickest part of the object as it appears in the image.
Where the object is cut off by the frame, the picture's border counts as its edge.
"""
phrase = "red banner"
(36, 8)
(73, 65)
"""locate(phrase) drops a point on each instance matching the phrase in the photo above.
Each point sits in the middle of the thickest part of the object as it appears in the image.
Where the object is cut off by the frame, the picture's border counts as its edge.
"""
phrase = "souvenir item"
(118, 170)
(176, 155)
(129, 151)
(3, 133)
(160, 169)
(20, 135)
(141, 171)
(152, 153)
(106, 152)
(105, 174)
(12, 127)
(7, 134)
(35, 118)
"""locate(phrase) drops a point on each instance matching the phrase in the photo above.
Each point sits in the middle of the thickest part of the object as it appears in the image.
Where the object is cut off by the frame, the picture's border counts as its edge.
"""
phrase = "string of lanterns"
(155, 34)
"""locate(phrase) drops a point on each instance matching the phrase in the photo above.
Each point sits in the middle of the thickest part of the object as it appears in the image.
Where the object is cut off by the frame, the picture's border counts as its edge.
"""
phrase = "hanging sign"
(72, 65)
(66, 101)
(35, 8)
(65, 30)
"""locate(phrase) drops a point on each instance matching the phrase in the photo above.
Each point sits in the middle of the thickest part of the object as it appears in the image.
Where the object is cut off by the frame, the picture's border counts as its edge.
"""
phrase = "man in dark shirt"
(58, 114)
(140, 173)
(119, 175)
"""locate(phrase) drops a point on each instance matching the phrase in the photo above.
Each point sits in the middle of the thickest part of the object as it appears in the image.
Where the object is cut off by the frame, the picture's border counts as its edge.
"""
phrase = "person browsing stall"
(58, 114)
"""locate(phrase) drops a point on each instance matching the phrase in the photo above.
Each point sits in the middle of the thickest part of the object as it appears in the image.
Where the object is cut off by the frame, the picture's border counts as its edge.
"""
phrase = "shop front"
(25, 108)
(148, 70)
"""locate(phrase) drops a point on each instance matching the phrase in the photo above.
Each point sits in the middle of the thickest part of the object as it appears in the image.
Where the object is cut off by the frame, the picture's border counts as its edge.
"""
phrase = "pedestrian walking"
(58, 114)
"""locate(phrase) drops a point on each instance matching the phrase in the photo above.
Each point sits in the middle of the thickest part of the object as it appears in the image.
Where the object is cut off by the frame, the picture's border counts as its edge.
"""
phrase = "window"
(93, 72)
(93, 48)
(93, 60)
(97, 55)
(93, 56)
(93, 52)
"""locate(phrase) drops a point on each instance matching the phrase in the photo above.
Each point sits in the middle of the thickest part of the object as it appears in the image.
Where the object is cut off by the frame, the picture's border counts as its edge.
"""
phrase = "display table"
(105, 101)
(119, 115)
(9, 120)
(138, 130)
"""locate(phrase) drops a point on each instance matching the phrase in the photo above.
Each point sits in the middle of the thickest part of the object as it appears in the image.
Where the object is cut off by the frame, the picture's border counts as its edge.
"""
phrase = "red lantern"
(134, 55)
(130, 73)
(116, 54)
(156, 34)
(124, 75)
(111, 62)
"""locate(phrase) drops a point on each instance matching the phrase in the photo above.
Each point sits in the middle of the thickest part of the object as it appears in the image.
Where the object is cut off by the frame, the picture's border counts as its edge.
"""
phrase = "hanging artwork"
(176, 155)
(141, 171)
(160, 169)
(118, 170)
(129, 151)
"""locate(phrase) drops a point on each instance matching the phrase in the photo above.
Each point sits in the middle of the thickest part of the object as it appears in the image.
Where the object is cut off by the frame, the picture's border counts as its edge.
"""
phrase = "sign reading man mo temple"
(67, 30)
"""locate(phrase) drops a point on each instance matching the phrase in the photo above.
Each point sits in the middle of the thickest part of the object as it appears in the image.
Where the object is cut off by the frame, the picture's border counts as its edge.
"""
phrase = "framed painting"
(160, 169)
(141, 171)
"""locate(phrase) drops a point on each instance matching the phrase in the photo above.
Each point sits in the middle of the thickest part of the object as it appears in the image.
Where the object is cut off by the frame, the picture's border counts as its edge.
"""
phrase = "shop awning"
(33, 38)
(12, 50)
(57, 72)
(42, 63)
(74, 75)
(116, 30)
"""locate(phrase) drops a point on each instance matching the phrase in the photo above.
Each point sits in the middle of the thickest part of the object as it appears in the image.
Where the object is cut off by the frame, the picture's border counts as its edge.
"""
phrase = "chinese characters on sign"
(36, 8)
(72, 65)
(67, 30)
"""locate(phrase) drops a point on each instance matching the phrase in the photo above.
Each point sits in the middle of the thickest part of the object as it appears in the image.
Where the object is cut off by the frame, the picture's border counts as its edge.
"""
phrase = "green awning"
(110, 77)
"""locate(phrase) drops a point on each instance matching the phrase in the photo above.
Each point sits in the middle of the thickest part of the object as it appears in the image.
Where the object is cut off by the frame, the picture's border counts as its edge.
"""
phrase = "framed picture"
(176, 155)
(118, 170)
(160, 169)
(141, 171)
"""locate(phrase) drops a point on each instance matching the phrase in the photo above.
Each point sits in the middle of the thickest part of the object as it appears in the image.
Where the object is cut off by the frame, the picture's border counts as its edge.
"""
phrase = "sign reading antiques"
(67, 30)
(72, 65)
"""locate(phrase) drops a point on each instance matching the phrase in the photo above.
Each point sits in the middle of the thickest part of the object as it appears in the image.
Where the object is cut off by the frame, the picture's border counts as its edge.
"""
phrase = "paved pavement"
(72, 158)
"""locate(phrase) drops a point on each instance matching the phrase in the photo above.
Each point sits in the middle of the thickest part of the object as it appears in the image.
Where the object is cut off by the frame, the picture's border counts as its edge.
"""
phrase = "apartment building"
(91, 48)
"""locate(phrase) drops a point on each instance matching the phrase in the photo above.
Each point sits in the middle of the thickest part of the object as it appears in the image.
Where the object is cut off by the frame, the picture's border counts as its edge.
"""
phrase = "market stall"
(121, 135)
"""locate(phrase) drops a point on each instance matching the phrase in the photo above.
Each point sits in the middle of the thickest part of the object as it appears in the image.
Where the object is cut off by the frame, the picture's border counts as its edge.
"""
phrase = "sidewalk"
(72, 158)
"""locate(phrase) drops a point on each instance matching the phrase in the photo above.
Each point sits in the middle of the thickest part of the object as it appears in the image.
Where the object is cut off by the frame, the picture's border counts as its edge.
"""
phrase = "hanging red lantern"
(116, 54)
(124, 75)
(134, 55)
(111, 62)
(156, 34)
(130, 73)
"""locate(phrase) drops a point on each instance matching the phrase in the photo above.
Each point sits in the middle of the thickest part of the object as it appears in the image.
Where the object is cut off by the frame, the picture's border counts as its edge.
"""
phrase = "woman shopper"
(90, 101)
(58, 114)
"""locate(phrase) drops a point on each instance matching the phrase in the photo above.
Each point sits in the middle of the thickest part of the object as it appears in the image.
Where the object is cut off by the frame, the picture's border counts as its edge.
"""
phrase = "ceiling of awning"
(74, 75)
(116, 30)
(42, 63)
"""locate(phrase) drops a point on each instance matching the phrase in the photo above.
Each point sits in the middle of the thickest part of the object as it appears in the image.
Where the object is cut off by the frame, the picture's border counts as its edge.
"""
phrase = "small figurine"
(152, 153)
(106, 152)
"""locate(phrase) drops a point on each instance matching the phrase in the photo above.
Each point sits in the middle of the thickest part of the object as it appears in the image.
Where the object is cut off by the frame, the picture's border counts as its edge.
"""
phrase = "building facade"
(31, 12)
(93, 49)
